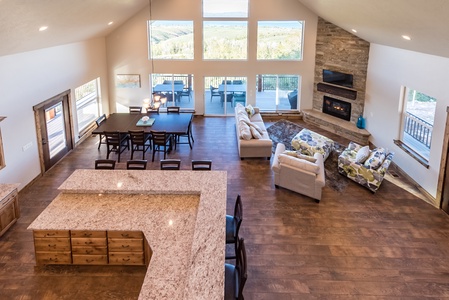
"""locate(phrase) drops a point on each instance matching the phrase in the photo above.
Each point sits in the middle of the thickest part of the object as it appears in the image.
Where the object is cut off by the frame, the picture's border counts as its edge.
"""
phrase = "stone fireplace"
(340, 51)
(337, 108)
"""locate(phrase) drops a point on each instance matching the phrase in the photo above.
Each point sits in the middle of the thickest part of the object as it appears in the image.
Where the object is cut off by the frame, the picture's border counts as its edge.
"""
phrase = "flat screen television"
(337, 78)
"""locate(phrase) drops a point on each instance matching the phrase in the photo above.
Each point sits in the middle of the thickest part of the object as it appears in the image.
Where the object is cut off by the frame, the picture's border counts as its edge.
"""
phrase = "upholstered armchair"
(364, 166)
(302, 174)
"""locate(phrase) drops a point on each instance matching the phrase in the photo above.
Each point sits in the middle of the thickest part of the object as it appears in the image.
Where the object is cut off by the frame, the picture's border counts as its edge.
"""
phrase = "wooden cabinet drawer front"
(125, 245)
(89, 250)
(125, 234)
(52, 244)
(7, 214)
(53, 258)
(87, 234)
(88, 241)
(51, 233)
(126, 258)
(90, 259)
(8, 199)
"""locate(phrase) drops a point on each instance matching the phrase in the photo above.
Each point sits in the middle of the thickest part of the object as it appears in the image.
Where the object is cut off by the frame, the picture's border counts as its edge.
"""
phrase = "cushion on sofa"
(375, 159)
(297, 154)
(244, 131)
(362, 154)
(299, 163)
(255, 134)
(250, 110)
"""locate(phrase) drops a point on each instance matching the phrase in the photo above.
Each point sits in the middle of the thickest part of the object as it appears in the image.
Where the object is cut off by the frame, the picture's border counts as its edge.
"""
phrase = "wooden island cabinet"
(9, 206)
(91, 247)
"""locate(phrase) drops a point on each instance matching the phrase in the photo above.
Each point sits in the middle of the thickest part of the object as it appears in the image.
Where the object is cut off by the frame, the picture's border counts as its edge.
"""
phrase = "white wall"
(128, 51)
(32, 77)
(389, 69)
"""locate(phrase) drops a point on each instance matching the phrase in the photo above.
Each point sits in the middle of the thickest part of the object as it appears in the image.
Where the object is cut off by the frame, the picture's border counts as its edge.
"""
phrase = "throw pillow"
(255, 126)
(375, 159)
(362, 154)
(299, 155)
(250, 110)
(245, 132)
(299, 163)
(255, 133)
(242, 116)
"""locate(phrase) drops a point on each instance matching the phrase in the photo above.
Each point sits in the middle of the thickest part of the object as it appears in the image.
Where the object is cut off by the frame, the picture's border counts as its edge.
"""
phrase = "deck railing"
(418, 129)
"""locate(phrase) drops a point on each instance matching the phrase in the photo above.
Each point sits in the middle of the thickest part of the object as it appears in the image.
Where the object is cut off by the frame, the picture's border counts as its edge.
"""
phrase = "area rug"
(283, 131)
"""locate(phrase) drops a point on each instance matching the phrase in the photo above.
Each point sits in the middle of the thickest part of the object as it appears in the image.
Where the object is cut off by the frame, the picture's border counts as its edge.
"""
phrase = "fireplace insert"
(337, 108)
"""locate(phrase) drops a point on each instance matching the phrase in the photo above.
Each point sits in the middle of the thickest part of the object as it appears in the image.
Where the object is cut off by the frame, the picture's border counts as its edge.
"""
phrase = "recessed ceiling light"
(353, 30)
(110, 23)
(406, 37)
(43, 28)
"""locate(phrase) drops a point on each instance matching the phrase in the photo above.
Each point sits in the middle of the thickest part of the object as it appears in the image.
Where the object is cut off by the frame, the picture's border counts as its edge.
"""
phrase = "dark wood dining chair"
(161, 141)
(201, 165)
(104, 164)
(140, 141)
(152, 110)
(135, 109)
(173, 109)
(100, 120)
(170, 164)
(236, 275)
(188, 135)
(233, 226)
(116, 142)
(136, 164)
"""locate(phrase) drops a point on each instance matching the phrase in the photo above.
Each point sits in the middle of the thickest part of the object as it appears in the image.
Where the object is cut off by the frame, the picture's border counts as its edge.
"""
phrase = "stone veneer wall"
(339, 50)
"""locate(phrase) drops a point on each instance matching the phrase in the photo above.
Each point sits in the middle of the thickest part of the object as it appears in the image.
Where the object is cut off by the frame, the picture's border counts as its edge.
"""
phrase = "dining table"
(168, 87)
(172, 123)
(231, 88)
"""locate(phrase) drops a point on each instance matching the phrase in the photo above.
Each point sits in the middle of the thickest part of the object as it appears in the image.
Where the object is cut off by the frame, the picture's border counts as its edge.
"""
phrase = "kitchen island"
(180, 213)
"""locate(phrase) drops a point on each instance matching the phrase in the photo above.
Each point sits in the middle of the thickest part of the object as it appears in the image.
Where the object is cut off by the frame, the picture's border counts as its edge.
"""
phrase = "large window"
(225, 39)
(171, 39)
(281, 40)
(87, 104)
(277, 92)
(417, 123)
(225, 8)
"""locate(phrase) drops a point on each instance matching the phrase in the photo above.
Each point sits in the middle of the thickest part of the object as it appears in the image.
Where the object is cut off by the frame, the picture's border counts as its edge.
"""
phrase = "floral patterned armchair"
(367, 169)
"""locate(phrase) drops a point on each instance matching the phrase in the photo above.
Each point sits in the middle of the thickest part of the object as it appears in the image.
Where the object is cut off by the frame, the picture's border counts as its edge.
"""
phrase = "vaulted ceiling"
(384, 22)
(380, 21)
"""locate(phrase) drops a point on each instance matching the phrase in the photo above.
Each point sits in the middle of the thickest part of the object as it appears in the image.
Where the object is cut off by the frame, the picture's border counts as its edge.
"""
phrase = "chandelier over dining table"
(155, 102)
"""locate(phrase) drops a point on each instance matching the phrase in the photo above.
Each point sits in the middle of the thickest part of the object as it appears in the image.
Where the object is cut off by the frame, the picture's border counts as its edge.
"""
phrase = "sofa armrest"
(320, 162)
(256, 110)
(280, 148)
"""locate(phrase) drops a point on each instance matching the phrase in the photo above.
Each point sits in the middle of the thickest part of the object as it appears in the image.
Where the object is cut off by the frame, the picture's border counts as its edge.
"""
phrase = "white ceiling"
(385, 21)
(377, 21)
(68, 21)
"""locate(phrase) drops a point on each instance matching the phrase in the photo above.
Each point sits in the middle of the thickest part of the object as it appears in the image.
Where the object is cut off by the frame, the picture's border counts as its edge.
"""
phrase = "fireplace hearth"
(337, 108)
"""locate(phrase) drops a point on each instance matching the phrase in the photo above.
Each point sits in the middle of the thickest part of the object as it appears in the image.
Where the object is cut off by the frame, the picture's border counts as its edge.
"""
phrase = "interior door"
(54, 129)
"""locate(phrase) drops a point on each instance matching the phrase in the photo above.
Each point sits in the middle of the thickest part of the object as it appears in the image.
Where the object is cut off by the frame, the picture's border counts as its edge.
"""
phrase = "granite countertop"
(181, 213)
(6, 189)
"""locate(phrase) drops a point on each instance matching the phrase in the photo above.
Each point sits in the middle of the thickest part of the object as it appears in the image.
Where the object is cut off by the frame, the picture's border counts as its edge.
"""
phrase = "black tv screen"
(337, 78)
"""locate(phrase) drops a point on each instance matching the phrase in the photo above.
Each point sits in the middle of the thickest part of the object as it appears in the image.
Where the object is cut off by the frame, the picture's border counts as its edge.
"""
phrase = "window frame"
(86, 100)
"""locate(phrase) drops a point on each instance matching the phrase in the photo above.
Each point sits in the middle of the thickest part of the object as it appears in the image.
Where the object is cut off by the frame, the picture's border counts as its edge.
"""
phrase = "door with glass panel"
(222, 94)
(53, 119)
(277, 92)
(174, 89)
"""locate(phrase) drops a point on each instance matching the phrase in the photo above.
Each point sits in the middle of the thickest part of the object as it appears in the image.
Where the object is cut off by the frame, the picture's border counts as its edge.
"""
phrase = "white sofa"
(248, 145)
(298, 175)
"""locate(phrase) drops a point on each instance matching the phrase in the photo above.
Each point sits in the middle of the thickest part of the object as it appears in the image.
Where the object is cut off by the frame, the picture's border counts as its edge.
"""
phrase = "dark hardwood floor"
(352, 245)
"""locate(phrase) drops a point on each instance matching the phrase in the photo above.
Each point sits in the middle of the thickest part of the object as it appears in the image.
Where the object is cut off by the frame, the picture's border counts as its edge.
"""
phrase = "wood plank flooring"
(352, 245)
